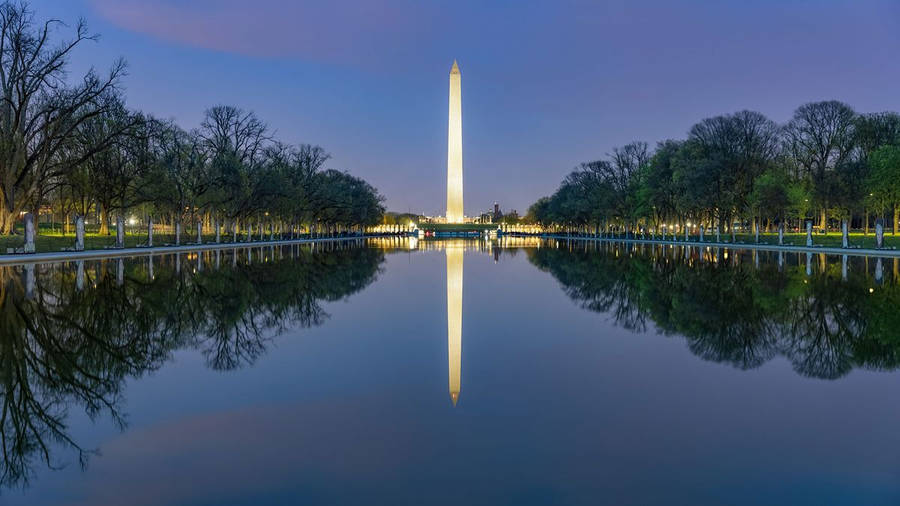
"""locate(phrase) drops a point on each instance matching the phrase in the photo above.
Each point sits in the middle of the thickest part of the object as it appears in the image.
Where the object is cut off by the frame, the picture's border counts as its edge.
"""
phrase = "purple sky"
(546, 85)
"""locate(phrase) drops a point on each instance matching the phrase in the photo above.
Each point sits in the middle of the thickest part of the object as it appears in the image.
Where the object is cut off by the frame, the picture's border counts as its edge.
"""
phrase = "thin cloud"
(350, 33)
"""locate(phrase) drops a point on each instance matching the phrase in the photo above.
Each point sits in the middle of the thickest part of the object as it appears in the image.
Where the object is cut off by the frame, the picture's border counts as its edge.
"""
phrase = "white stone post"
(718, 234)
(120, 231)
(218, 232)
(780, 233)
(249, 231)
(701, 233)
(756, 229)
(79, 234)
(150, 231)
(200, 232)
(809, 240)
(686, 231)
(845, 240)
(178, 233)
(29, 233)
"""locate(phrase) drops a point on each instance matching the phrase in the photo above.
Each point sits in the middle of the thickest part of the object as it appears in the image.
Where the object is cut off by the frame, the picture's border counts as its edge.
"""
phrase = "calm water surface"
(452, 372)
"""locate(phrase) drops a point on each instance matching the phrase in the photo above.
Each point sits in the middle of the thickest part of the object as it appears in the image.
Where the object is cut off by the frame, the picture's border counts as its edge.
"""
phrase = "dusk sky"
(545, 85)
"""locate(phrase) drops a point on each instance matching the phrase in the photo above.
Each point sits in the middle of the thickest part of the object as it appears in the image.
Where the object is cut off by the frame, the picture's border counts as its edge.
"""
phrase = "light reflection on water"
(567, 403)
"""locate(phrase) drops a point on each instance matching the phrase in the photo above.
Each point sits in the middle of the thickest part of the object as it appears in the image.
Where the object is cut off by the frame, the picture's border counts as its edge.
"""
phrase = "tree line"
(828, 163)
(72, 146)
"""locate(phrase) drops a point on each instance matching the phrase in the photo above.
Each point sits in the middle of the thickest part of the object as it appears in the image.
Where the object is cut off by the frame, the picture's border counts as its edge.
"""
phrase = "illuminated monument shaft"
(454, 317)
(454, 151)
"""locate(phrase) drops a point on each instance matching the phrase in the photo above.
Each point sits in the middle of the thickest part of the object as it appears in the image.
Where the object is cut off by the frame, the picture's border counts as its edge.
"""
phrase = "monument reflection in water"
(454, 250)
(454, 317)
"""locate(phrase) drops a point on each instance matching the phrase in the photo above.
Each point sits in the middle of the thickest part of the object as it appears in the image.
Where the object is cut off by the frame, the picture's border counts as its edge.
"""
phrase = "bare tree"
(235, 132)
(738, 147)
(39, 111)
(820, 138)
(625, 163)
(107, 174)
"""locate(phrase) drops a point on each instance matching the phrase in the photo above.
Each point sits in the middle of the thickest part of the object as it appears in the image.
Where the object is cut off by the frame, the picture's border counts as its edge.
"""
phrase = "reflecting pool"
(395, 371)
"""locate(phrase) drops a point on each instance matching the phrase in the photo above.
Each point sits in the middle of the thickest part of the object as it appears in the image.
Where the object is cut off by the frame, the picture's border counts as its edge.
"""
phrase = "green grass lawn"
(857, 239)
(833, 239)
(54, 240)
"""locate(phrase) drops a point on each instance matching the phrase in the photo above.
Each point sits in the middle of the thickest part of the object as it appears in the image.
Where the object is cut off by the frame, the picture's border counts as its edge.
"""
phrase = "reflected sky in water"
(584, 374)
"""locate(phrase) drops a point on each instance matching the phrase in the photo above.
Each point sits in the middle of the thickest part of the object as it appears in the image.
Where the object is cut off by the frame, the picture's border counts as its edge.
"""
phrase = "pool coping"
(830, 250)
(67, 256)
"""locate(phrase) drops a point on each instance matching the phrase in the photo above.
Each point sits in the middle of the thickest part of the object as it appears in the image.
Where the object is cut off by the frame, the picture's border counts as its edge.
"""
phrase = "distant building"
(495, 215)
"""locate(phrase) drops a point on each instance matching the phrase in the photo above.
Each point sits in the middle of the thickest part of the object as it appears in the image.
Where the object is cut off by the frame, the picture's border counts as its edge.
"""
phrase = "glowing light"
(871, 290)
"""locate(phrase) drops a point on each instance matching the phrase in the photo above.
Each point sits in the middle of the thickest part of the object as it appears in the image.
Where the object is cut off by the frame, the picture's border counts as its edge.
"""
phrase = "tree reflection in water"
(73, 333)
(742, 307)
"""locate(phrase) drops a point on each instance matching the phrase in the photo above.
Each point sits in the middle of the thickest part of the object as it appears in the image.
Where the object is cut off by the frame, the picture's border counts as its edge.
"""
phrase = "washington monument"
(454, 151)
